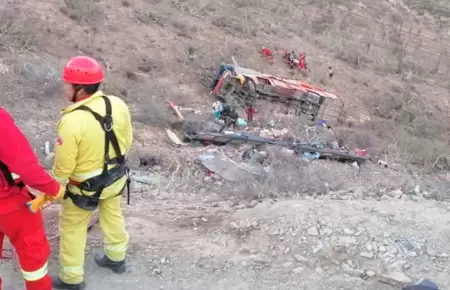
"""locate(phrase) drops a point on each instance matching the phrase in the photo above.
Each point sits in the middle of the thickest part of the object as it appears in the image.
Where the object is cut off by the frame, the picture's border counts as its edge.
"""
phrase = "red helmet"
(83, 70)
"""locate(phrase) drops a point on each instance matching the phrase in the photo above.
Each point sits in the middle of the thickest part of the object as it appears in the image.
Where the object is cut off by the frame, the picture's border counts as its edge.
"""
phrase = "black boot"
(58, 284)
(105, 262)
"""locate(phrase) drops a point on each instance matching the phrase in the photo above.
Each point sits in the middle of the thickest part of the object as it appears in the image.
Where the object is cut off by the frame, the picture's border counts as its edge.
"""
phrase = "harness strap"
(7, 174)
(110, 138)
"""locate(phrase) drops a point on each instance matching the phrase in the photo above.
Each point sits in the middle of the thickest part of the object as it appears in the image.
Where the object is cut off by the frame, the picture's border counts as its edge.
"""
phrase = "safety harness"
(8, 176)
(98, 183)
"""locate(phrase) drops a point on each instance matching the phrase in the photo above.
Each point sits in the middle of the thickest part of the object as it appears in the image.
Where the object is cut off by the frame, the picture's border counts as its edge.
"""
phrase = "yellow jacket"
(79, 153)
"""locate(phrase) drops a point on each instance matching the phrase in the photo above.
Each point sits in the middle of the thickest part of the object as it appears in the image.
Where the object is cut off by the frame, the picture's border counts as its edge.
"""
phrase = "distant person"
(267, 53)
(250, 112)
(217, 109)
(292, 56)
(330, 72)
(230, 116)
(302, 61)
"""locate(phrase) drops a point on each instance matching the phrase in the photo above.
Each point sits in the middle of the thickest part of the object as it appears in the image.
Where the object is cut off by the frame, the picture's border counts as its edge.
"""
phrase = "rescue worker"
(19, 166)
(217, 109)
(250, 112)
(267, 53)
(330, 72)
(94, 134)
(240, 78)
(291, 59)
(302, 61)
(230, 117)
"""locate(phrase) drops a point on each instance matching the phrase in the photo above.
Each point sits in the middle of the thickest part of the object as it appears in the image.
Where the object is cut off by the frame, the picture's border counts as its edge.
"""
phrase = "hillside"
(391, 62)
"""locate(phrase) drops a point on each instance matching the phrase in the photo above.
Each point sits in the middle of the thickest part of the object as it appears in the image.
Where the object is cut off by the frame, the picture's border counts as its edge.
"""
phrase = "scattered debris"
(205, 157)
(173, 139)
(382, 163)
(177, 112)
(49, 160)
(47, 148)
(227, 169)
(395, 278)
(299, 148)
(148, 179)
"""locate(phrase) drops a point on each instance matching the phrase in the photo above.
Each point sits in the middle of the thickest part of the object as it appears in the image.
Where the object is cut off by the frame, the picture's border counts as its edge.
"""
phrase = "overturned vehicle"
(234, 83)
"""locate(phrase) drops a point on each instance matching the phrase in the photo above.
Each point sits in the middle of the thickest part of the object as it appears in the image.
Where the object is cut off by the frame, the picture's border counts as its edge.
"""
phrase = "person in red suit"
(302, 61)
(19, 167)
(250, 112)
(267, 53)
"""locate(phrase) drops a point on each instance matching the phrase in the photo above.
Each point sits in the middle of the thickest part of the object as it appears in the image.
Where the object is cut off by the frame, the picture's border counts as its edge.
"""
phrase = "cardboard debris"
(173, 138)
(149, 179)
(227, 169)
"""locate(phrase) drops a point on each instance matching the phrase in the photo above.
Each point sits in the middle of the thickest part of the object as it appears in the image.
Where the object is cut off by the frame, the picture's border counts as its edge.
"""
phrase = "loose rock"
(369, 247)
(300, 258)
(412, 254)
(370, 274)
(426, 195)
(395, 278)
(313, 231)
(397, 193)
(417, 189)
(431, 252)
(327, 232)
(348, 232)
(351, 271)
(298, 270)
(368, 255)
(397, 266)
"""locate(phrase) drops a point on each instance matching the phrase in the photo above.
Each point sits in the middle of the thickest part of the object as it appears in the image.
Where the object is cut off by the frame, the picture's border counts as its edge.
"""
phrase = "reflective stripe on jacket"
(79, 153)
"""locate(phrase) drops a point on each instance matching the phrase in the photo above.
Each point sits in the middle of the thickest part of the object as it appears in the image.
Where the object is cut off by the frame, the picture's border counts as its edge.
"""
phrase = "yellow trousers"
(73, 223)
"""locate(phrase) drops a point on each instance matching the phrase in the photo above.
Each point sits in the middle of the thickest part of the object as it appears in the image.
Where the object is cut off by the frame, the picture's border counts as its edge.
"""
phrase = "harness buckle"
(86, 185)
(107, 123)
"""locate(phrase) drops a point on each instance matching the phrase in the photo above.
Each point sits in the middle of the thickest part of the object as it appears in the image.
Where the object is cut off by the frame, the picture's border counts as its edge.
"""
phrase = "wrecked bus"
(305, 98)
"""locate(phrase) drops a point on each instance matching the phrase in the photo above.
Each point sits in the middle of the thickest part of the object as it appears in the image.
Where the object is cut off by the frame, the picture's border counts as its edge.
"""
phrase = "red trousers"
(301, 64)
(26, 233)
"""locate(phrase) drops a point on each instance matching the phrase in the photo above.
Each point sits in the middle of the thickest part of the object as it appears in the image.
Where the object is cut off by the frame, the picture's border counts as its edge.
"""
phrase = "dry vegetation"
(391, 60)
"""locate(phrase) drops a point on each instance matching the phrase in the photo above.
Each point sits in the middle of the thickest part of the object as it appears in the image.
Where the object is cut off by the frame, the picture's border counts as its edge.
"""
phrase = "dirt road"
(289, 244)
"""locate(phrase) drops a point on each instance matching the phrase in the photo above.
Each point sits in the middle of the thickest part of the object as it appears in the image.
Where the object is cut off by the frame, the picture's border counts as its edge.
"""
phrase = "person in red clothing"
(250, 112)
(302, 61)
(19, 167)
(267, 53)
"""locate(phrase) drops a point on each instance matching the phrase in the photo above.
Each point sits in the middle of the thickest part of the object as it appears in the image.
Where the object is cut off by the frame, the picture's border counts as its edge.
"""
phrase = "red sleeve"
(17, 154)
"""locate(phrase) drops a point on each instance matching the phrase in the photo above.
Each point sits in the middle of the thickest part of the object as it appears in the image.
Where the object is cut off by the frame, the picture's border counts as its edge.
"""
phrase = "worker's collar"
(82, 102)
